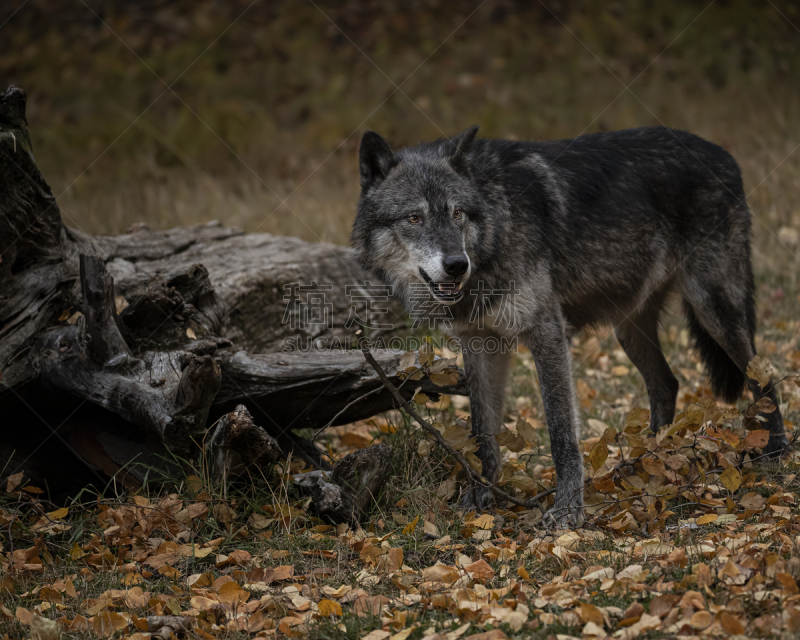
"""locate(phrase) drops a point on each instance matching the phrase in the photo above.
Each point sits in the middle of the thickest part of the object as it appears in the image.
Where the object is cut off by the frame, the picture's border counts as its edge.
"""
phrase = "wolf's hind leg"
(638, 336)
(486, 375)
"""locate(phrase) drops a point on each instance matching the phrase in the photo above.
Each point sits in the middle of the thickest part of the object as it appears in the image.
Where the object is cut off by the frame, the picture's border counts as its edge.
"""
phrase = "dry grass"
(273, 110)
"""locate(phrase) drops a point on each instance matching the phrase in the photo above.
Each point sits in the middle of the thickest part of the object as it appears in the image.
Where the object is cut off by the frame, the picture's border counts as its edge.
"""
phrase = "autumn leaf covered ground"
(688, 534)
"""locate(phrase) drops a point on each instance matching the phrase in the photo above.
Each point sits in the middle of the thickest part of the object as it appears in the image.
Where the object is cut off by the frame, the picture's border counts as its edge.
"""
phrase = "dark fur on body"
(595, 230)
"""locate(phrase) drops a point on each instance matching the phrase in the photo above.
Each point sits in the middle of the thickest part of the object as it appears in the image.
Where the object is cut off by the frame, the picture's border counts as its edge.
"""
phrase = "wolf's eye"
(413, 218)
(458, 213)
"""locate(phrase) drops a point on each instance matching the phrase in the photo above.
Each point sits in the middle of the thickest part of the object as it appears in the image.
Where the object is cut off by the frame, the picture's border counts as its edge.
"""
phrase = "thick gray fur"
(596, 230)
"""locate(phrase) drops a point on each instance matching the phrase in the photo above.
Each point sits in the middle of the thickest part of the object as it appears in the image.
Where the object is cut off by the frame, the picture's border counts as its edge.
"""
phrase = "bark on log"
(168, 393)
(321, 384)
(145, 339)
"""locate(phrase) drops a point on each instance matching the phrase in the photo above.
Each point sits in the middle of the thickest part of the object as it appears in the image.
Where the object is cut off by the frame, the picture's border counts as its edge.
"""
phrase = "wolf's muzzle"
(446, 292)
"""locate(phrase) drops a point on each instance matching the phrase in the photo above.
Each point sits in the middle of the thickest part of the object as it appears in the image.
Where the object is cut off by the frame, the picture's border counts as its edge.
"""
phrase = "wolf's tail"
(727, 380)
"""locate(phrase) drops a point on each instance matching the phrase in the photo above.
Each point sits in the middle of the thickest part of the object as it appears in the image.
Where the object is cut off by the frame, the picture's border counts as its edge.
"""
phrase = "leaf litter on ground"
(688, 533)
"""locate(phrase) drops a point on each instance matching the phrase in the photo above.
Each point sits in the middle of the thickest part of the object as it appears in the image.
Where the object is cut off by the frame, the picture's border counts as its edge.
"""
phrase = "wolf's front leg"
(550, 349)
(486, 376)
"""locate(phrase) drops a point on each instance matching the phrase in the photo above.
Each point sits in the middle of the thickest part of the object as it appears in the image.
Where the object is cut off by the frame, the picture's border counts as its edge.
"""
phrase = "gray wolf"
(596, 230)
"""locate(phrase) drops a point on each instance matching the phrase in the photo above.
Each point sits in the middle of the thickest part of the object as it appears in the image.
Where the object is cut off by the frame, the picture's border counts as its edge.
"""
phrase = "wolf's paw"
(566, 516)
(480, 499)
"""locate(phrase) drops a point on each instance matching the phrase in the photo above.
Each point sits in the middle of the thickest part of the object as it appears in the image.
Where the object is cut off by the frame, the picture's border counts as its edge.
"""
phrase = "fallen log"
(168, 393)
(125, 349)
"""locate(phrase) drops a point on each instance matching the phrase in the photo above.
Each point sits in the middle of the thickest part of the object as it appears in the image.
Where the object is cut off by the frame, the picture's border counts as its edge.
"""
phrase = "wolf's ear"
(374, 160)
(457, 148)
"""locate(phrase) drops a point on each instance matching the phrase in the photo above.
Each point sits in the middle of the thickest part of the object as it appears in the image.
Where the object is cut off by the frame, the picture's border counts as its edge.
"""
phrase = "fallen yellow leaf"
(329, 608)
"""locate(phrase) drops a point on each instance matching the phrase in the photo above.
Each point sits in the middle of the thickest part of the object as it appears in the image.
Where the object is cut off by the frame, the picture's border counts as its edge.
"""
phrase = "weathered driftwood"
(322, 383)
(168, 393)
(354, 483)
(238, 445)
(123, 348)
(213, 280)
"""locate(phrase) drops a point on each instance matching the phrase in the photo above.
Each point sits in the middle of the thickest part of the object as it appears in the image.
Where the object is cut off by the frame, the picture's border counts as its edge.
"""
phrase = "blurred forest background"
(250, 112)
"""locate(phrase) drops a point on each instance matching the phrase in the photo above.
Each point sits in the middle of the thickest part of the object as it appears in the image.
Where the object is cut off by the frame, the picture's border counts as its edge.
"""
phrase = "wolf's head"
(415, 225)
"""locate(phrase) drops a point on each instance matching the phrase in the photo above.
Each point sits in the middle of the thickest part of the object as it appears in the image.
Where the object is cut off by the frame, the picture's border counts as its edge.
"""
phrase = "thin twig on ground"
(353, 402)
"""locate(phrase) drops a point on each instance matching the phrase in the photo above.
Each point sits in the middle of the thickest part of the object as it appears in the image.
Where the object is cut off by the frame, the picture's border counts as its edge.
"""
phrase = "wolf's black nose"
(456, 265)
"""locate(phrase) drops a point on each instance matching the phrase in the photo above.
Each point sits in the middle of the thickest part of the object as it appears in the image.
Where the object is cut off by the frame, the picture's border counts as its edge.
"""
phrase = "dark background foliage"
(171, 112)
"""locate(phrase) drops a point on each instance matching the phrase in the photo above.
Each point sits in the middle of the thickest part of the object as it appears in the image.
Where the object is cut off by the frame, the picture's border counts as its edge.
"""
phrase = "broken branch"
(474, 476)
